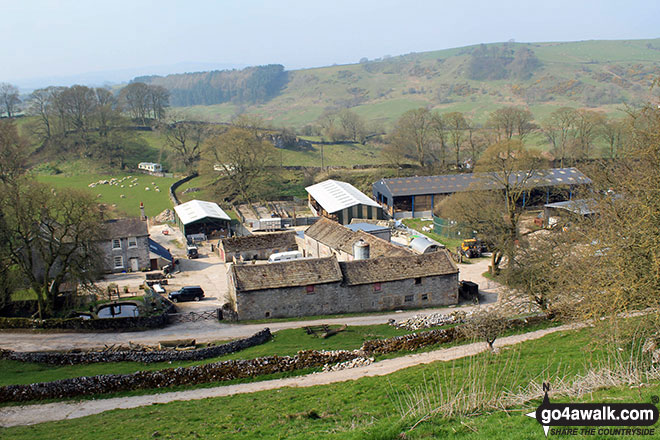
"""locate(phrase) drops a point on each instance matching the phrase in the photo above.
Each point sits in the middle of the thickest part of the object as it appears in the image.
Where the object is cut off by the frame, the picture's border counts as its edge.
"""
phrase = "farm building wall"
(331, 298)
(139, 252)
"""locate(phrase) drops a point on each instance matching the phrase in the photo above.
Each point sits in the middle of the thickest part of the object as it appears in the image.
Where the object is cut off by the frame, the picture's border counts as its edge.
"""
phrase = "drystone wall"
(54, 358)
(214, 372)
(130, 323)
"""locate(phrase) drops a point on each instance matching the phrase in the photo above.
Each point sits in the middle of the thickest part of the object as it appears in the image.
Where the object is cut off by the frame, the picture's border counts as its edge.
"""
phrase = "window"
(119, 262)
(310, 289)
(116, 243)
(418, 280)
(377, 287)
(132, 242)
(425, 297)
(409, 298)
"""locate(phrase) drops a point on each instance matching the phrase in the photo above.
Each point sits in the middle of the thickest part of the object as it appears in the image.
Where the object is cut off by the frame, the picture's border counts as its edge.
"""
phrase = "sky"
(48, 38)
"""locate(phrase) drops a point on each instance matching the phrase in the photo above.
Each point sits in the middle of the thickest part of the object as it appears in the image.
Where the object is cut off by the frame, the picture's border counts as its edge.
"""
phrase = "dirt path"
(32, 414)
(211, 331)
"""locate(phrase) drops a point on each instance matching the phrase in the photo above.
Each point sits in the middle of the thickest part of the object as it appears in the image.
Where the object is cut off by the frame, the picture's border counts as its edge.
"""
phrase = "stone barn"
(256, 247)
(326, 237)
(325, 286)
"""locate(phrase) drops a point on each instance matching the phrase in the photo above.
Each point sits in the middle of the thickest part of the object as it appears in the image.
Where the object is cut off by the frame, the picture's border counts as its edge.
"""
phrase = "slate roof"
(125, 227)
(381, 270)
(156, 249)
(195, 210)
(277, 240)
(339, 237)
(452, 183)
(290, 273)
(334, 195)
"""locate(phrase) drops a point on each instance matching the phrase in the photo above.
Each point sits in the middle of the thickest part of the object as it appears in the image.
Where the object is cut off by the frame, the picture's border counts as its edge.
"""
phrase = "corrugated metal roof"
(366, 227)
(581, 206)
(334, 196)
(194, 210)
(451, 183)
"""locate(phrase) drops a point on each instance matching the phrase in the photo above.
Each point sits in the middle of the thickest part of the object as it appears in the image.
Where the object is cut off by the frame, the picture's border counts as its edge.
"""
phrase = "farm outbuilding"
(256, 247)
(200, 217)
(423, 245)
(341, 202)
(404, 197)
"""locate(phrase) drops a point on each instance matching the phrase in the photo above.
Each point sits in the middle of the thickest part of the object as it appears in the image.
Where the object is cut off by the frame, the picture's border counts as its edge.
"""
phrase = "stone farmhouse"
(256, 247)
(126, 246)
(322, 286)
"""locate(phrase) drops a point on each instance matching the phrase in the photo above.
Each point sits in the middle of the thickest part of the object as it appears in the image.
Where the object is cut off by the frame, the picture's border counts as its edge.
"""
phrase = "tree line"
(454, 140)
(247, 86)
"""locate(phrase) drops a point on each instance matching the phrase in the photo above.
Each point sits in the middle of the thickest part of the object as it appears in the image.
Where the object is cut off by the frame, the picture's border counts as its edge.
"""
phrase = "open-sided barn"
(403, 197)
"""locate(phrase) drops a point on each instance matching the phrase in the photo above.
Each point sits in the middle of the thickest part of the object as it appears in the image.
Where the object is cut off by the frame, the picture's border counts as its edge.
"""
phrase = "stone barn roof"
(381, 270)
(277, 240)
(125, 227)
(286, 274)
(341, 238)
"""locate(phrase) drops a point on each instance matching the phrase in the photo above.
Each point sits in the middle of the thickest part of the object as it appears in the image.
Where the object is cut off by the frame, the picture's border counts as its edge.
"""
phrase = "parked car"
(188, 293)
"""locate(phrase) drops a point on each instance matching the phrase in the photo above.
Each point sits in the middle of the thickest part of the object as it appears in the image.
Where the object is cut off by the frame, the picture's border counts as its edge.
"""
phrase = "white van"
(285, 256)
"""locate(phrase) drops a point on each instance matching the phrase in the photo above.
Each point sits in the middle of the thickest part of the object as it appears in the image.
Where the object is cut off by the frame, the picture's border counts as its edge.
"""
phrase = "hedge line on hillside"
(55, 358)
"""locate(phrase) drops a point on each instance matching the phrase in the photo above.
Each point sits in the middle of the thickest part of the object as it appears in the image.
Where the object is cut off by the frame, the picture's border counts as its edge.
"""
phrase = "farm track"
(33, 414)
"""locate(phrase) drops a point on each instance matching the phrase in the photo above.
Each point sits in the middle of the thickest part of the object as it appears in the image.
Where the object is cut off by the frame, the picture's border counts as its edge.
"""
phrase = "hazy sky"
(52, 38)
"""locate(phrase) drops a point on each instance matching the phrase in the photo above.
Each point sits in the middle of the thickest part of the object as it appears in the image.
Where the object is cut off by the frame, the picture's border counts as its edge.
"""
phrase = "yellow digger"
(471, 248)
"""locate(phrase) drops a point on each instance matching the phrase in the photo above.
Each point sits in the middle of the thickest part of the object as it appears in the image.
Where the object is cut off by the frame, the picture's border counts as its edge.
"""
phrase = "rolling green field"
(367, 408)
(575, 74)
(154, 202)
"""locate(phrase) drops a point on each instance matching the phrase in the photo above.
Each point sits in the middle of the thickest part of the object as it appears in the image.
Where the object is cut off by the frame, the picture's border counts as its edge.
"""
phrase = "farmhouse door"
(134, 265)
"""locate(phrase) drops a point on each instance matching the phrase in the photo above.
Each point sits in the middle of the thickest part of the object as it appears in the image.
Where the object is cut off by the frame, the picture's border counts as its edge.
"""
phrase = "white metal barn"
(200, 217)
(341, 201)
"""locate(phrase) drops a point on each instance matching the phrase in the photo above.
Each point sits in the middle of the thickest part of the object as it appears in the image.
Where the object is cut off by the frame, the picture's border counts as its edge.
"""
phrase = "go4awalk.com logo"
(602, 419)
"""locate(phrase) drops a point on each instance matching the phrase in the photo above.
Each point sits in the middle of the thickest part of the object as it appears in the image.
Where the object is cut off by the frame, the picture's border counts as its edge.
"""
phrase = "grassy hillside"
(366, 408)
(598, 74)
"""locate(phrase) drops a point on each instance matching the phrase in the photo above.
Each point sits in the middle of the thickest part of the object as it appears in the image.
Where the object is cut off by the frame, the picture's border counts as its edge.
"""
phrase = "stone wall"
(55, 358)
(333, 298)
(133, 323)
(208, 373)
(141, 252)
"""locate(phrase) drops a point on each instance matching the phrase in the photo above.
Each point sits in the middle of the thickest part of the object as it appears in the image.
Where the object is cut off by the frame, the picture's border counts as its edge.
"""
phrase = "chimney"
(142, 216)
(360, 250)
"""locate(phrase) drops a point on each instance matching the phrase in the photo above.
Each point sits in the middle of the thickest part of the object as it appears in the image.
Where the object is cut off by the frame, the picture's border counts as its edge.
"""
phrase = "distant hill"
(476, 79)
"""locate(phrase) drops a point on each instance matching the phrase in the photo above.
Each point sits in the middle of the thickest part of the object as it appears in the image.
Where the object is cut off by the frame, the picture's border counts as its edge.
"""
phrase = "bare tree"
(186, 139)
(9, 98)
(51, 237)
(586, 130)
(41, 103)
(615, 133)
(487, 325)
(457, 126)
(13, 156)
(558, 129)
(508, 121)
(414, 132)
(243, 158)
